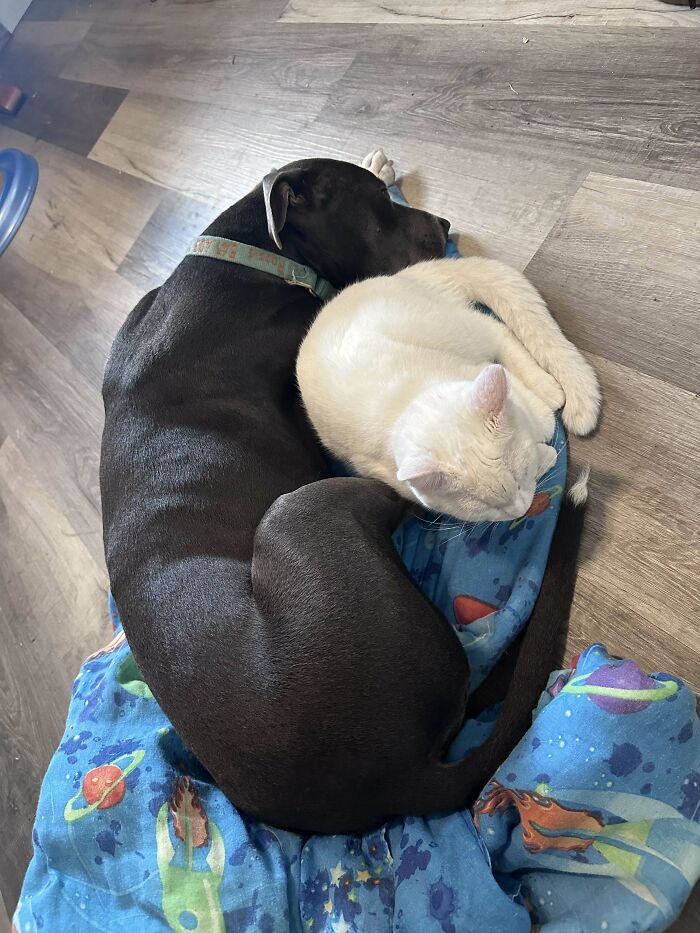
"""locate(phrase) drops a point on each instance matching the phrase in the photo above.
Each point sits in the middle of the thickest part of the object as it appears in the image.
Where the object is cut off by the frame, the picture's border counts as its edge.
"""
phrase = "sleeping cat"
(408, 382)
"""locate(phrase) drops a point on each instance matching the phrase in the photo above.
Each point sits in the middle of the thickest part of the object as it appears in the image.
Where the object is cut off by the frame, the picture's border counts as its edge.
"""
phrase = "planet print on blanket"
(620, 687)
(103, 787)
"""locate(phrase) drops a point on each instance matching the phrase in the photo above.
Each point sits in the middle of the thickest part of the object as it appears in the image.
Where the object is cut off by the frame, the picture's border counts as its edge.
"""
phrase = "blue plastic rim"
(19, 174)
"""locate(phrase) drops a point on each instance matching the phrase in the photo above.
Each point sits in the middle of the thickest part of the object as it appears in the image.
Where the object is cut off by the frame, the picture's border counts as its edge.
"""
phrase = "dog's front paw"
(377, 163)
(582, 406)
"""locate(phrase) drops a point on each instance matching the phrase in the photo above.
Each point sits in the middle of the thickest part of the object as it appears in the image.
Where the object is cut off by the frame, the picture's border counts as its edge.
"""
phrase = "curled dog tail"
(446, 787)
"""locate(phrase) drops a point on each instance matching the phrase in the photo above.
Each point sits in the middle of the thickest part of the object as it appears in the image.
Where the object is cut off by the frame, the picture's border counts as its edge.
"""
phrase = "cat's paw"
(582, 407)
(548, 389)
(377, 163)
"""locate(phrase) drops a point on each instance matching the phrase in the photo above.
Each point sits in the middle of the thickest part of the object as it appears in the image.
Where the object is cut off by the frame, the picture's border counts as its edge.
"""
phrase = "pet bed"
(592, 823)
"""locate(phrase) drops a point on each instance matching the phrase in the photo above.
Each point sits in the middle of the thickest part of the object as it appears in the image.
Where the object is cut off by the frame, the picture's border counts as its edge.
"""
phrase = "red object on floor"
(11, 98)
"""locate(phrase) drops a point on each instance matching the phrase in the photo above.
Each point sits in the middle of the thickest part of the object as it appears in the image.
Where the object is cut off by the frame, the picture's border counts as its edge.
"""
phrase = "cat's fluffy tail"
(578, 493)
(446, 787)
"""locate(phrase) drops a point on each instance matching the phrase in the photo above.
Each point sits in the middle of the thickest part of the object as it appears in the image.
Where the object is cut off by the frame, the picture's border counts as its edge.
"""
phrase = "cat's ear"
(489, 392)
(421, 470)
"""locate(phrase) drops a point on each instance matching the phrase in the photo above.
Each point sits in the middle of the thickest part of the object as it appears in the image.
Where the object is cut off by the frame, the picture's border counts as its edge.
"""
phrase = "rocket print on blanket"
(583, 798)
(545, 823)
(190, 886)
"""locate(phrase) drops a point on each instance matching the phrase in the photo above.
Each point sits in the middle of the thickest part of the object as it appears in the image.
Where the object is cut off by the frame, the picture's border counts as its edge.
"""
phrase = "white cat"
(406, 381)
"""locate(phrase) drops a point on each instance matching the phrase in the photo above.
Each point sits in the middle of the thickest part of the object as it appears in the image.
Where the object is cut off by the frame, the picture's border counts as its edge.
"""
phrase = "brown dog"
(265, 603)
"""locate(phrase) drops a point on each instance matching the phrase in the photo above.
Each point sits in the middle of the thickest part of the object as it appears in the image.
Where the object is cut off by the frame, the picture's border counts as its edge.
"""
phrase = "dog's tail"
(447, 787)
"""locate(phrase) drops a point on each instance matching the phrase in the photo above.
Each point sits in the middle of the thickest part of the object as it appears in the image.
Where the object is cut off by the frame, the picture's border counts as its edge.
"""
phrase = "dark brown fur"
(263, 601)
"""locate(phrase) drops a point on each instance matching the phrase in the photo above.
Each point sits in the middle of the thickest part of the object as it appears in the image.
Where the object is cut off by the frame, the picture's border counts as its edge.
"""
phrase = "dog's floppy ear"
(281, 190)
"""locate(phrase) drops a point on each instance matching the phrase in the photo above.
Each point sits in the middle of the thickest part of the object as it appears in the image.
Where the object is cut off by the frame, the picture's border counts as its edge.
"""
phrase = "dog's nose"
(445, 224)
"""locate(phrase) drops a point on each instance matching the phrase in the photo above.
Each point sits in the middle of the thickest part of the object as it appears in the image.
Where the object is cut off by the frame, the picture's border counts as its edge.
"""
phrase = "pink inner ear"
(489, 391)
(420, 470)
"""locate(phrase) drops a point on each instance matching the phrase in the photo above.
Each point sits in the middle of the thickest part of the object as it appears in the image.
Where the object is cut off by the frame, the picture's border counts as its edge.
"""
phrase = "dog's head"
(339, 219)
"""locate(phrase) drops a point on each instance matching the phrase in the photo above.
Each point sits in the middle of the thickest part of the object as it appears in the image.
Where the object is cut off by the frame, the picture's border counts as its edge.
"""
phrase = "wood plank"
(637, 590)
(180, 12)
(503, 183)
(620, 245)
(44, 47)
(619, 272)
(211, 67)
(5, 926)
(209, 155)
(689, 920)
(70, 114)
(60, 269)
(165, 238)
(54, 419)
(83, 215)
(46, 576)
(631, 91)
(525, 12)
(203, 152)
(79, 322)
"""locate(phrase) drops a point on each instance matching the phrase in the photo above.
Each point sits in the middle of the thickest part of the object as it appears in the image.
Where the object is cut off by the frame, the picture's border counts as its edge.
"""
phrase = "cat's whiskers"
(540, 482)
(454, 537)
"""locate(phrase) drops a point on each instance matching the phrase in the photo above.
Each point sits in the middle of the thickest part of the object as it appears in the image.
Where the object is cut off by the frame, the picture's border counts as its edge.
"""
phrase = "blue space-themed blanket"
(593, 822)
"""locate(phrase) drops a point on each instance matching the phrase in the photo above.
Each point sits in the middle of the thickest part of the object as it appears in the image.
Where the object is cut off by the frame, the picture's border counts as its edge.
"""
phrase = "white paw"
(549, 390)
(377, 163)
(582, 406)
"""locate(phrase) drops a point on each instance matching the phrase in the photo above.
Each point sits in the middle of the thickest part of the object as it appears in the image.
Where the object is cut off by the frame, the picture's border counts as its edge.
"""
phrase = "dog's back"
(265, 608)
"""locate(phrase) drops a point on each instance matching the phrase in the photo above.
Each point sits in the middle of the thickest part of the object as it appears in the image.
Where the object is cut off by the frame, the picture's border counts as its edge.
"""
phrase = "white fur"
(578, 493)
(522, 309)
(377, 163)
(396, 379)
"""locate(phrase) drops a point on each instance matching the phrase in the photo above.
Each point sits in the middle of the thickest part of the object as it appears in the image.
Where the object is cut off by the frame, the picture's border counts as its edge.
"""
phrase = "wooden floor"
(562, 138)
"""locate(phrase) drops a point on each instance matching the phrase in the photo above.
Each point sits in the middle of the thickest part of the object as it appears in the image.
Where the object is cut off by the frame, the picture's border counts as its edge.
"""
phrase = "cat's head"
(468, 450)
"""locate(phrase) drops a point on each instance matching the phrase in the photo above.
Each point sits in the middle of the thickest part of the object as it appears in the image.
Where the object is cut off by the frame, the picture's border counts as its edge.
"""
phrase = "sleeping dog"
(264, 601)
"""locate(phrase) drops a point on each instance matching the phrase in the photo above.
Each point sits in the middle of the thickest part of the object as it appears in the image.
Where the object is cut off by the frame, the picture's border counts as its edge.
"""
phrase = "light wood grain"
(52, 595)
(54, 418)
(638, 582)
(620, 271)
(524, 12)
(497, 95)
(211, 68)
(42, 46)
(4, 919)
(204, 152)
(213, 156)
(69, 113)
(182, 13)
(165, 239)
(499, 162)
(83, 215)
(60, 271)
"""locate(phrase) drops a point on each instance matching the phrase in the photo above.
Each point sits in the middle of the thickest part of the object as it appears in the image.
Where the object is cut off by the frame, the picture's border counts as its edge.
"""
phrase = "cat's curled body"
(407, 381)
